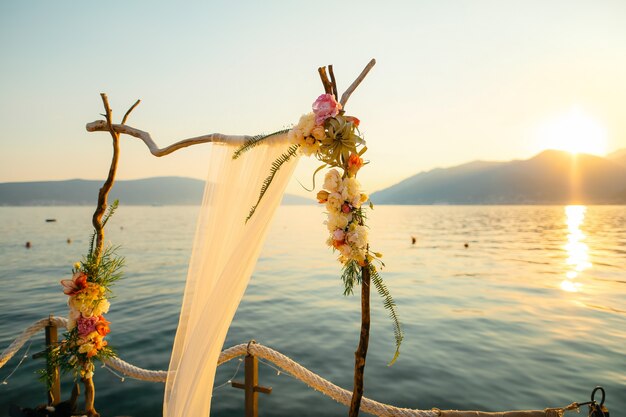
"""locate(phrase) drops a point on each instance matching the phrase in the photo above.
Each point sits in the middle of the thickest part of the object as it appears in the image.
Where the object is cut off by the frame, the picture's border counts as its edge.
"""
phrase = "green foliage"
(92, 240)
(106, 270)
(276, 165)
(351, 276)
(256, 140)
(109, 212)
(390, 306)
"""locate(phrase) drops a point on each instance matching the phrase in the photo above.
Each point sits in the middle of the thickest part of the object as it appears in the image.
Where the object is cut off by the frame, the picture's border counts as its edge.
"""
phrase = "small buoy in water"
(69, 240)
(28, 245)
(413, 240)
(466, 245)
(51, 220)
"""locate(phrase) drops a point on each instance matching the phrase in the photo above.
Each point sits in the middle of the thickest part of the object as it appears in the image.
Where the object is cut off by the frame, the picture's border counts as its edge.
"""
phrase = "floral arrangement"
(333, 138)
(87, 292)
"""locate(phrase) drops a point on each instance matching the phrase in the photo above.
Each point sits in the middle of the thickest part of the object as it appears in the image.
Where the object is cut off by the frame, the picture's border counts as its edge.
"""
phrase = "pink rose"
(324, 107)
(86, 325)
(339, 235)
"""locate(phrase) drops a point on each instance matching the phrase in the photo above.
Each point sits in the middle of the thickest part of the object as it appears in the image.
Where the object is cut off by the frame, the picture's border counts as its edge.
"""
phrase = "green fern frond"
(254, 141)
(92, 240)
(110, 210)
(390, 306)
(351, 276)
(291, 152)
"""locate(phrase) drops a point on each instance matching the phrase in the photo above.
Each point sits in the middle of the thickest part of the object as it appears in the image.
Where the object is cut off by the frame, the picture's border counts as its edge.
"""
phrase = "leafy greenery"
(351, 276)
(256, 140)
(276, 165)
(109, 212)
(390, 306)
(106, 270)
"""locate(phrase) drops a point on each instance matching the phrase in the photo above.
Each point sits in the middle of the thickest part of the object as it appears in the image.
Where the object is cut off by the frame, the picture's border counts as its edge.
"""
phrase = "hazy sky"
(455, 80)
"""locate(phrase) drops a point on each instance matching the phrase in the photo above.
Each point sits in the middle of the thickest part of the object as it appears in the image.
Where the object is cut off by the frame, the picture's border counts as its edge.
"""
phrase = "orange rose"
(354, 163)
(102, 326)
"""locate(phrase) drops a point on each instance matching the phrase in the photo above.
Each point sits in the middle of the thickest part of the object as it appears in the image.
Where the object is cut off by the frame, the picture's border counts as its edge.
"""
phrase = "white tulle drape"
(224, 254)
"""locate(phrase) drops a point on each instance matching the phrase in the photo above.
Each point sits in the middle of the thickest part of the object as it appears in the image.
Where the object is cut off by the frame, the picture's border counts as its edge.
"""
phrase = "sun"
(575, 132)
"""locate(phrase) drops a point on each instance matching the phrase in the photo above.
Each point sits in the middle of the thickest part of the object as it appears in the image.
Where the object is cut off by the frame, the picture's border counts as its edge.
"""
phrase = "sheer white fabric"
(224, 254)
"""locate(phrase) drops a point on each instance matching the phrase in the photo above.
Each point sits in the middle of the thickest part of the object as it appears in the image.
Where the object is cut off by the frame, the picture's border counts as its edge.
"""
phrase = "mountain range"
(149, 191)
(551, 177)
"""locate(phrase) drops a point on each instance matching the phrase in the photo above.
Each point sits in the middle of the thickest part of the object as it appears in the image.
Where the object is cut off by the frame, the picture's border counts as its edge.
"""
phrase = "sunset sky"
(455, 80)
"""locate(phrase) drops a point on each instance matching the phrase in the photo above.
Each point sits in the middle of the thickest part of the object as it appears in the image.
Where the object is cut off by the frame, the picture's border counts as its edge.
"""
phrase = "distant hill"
(544, 179)
(618, 156)
(149, 191)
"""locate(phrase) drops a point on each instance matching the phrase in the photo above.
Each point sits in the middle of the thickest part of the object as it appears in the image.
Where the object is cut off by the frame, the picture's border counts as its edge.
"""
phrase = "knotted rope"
(287, 365)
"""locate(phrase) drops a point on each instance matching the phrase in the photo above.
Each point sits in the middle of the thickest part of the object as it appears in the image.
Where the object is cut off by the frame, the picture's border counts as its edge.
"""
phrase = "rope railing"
(288, 366)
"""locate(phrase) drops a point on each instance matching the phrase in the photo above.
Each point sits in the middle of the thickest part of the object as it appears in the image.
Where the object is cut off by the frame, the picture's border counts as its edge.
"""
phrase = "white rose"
(307, 123)
(332, 181)
(295, 136)
(334, 202)
(351, 189)
(358, 237)
(336, 221)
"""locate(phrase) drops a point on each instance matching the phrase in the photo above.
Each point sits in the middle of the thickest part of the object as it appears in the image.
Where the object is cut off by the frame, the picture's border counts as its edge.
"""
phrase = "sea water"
(502, 308)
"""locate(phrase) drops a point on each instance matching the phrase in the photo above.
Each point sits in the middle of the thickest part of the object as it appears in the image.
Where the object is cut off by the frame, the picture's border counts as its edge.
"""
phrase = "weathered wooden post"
(250, 387)
(54, 393)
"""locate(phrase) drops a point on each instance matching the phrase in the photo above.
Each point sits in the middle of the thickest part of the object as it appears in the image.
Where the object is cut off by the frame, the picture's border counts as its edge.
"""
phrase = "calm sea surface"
(532, 314)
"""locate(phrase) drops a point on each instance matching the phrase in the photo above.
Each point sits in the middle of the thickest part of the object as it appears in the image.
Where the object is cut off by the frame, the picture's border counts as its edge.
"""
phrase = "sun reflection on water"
(577, 250)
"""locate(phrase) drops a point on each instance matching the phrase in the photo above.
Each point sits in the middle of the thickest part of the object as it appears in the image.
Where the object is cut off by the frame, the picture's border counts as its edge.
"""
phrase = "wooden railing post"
(250, 386)
(251, 366)
(54, 394)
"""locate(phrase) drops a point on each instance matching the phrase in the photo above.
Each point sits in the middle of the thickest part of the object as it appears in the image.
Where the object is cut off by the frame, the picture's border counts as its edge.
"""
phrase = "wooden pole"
(54, 393)
(250, 386)
(251, 380)
(361, 351)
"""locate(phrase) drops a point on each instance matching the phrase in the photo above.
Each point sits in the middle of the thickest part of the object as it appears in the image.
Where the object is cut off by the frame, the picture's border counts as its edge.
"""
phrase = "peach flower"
(354, 163)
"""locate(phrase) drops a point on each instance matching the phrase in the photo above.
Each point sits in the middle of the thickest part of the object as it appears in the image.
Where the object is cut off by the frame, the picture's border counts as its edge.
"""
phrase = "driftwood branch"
(129, 110)
(333, 82)
(346, 95)
(361, 351)
(328, 88)
(101, 126)
(108, 184)
(90, 396)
